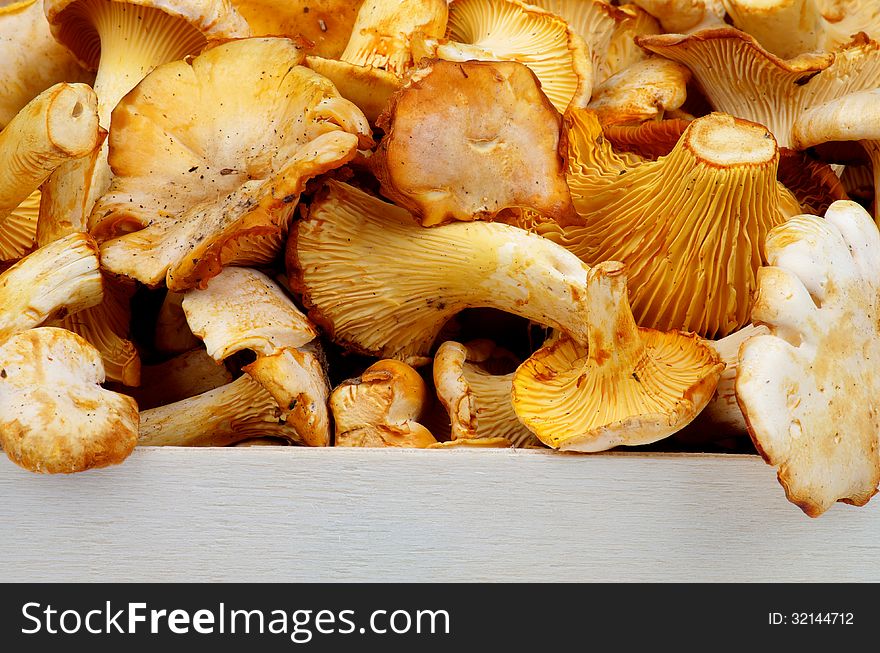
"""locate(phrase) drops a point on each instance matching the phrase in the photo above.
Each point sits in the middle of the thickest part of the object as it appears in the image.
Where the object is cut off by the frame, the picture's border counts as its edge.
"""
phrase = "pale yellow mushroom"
(788, 28)
(741, 78)
(685, 16)
(477, 401)
(237, 411)
(380, 284)
(54, 415)
(509, 30)
(622, 386)
(382, 33)
(242, 309)
(173, 335)
(122, 40)
(207, 177)
(382, 408)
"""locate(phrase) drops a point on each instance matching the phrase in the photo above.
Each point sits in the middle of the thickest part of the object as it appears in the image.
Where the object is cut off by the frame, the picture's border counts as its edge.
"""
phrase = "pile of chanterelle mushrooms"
(573, 224)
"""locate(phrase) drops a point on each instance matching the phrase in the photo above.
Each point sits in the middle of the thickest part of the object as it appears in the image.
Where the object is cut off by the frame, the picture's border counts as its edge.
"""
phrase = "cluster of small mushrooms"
(567, 224)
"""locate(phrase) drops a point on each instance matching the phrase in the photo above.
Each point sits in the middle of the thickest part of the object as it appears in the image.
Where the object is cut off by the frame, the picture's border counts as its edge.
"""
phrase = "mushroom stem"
(386, 286)
(237, 411)
(58, 125)
(613, 334)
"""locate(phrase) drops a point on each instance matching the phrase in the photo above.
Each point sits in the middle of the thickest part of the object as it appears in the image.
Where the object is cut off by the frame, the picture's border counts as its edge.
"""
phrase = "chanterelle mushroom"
(623, 385)
(494, 145)
(54, 415)
(383, 285)
(54, 280)
(810, 391)
(244, 309)
(326, 23)
(741, 78)
(59, 125)
(509, 30)
(684, 16)
(788, 28)
(381, 408)
(477, 401)
(689, 226)
(607, 30)
(382, 33)
(213, 177)
(32, 59)
(237, 411)
(123, 40)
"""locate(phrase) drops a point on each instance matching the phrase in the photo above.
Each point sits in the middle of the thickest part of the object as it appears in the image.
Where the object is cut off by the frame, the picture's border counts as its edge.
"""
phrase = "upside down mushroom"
(54, 415)
(489, 118)
(690, 226)
(382, 408)
(809, 390)
(623, 385)
(243, 309)
(214, 181)
(382, 285)
(476, 400)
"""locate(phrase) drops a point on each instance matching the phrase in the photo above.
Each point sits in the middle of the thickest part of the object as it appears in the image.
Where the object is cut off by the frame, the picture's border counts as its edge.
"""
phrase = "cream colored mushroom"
(206, 177)
(382, 33)
(607, 30)
(378, 283)
(237, 411)
(55, 280)
(122, 40)
(243, 309)
(54, 415)
(853, 118)
(809, 390)
(477, 401)
(57, 126)
(382, 408)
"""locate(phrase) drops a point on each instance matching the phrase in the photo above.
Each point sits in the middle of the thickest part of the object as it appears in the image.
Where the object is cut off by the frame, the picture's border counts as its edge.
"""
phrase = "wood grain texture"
(296, 514)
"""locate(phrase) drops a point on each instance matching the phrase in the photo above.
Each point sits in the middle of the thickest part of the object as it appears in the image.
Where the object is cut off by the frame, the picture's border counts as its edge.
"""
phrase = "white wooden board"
(295, 514)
